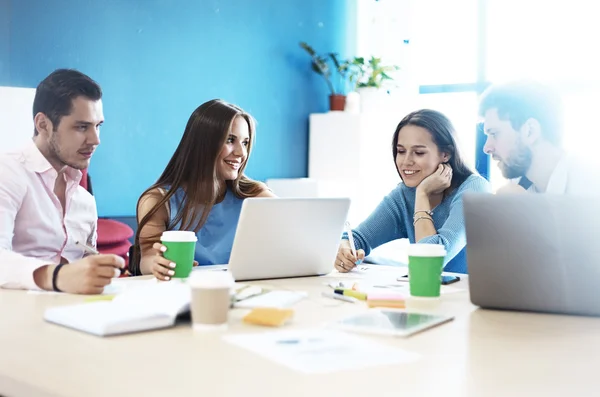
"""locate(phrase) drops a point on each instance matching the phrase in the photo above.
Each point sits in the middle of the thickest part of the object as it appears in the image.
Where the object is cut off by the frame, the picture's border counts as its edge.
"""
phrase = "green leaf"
(320, 67)
(308, 48)
(333, 57)
(316, 68)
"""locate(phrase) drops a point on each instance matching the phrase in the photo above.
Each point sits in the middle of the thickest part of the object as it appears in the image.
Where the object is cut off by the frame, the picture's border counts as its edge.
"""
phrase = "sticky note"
(386, 300)
(100, 298)
(268, 316)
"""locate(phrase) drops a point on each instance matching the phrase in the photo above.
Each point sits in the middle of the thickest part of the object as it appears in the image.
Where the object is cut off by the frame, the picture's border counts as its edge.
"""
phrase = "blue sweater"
(393, 219)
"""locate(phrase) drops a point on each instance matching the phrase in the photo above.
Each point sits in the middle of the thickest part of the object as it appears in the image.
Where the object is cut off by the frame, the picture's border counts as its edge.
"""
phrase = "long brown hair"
(193, 168)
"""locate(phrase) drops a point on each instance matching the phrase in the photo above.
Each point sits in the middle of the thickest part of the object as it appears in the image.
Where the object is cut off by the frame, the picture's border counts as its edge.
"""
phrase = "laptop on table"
(287, 237)
(534, 252)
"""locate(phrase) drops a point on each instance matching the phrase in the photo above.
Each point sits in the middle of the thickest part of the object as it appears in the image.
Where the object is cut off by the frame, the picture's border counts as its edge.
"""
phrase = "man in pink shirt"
(45, 215)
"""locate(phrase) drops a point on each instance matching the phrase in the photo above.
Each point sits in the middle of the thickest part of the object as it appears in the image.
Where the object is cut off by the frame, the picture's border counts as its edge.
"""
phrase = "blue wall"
(4, 42)
(157, 62)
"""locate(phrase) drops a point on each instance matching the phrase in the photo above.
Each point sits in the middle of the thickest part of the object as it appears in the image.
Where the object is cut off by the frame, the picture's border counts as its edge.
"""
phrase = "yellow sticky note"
(100, 298)
(268, 316)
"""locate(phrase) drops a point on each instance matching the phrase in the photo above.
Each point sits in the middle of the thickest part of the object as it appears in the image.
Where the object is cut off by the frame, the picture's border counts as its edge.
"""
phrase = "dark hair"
(193, 168)
(443, 134)
(55, 94)
(522, 100)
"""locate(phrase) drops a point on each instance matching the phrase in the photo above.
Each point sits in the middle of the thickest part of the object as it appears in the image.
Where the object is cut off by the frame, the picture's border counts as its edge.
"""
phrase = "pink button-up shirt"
(33, 230)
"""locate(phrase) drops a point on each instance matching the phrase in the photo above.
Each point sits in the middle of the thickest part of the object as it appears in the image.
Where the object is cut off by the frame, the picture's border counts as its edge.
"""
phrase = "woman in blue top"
(201, 189)
(427, 206)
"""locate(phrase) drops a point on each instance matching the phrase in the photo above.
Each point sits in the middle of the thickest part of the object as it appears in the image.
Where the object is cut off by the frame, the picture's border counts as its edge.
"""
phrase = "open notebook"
(140, 309)
(153, 306)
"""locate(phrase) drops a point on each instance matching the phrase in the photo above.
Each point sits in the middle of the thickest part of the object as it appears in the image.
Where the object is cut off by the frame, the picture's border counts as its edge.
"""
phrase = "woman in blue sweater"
(427, 206)
(202, 190)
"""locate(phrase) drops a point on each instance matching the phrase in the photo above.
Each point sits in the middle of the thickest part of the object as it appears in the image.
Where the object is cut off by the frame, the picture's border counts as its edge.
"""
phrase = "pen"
(350, 238)
(92, 251)
(352, 293)
(87, 248)
(339, 297)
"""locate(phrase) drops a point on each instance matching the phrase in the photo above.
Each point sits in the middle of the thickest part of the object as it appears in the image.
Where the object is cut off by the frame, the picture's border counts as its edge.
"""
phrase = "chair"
(113, 236)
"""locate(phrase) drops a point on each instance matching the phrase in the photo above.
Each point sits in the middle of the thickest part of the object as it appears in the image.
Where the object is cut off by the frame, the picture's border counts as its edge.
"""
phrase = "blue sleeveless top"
(215, 238)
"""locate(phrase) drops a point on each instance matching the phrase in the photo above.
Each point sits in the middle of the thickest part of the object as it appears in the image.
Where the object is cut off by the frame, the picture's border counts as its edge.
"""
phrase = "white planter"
(352, 102)
(373, 99)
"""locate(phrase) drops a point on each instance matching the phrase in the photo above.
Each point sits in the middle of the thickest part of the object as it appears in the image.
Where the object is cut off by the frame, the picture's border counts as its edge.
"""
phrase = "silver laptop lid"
(287, 237)
(534, 252)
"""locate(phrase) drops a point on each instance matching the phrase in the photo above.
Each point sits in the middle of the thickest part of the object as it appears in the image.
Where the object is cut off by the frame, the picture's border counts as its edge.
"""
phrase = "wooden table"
(480, 353)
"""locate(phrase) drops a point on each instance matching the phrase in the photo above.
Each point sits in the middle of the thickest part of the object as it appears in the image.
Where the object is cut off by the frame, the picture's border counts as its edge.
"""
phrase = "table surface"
(480, 353)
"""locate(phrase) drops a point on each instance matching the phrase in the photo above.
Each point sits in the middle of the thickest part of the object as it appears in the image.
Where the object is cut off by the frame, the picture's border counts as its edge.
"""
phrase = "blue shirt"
(215, 238)
(393, 219)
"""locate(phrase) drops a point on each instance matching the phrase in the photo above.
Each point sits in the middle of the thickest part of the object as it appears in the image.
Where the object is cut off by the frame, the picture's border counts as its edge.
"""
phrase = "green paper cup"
(425, 265)
(181, 248)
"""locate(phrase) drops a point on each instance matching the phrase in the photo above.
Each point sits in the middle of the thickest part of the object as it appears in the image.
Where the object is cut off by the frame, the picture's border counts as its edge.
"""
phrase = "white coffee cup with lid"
(211, 299)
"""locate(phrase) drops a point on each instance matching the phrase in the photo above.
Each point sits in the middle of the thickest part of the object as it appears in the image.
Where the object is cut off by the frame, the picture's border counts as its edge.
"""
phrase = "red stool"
(113, 238)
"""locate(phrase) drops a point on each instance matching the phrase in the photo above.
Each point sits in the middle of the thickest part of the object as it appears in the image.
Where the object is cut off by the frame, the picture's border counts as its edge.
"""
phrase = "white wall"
(16, 119)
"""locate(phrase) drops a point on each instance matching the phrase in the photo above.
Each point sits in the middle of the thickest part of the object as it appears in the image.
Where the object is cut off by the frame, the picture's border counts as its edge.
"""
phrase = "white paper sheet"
(277, 299)
(207, 268)
(117, 286)
(320, 350)
(370, 286)
(370, 271)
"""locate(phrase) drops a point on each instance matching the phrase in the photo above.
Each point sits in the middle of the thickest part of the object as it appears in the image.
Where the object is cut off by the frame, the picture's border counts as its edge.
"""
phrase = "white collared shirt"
(574, 177)
(34, 231)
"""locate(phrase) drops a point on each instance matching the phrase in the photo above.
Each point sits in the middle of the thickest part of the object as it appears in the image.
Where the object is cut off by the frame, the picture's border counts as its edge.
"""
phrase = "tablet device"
(392, 322)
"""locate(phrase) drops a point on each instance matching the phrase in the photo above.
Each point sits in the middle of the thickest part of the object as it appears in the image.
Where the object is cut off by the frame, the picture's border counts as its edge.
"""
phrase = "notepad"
(141, 309)
(268, 316)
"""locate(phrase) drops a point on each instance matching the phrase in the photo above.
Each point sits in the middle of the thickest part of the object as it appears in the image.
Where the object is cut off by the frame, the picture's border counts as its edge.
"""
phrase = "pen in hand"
(351, 241)
(92, 251)
(350, 238)
(87, 248)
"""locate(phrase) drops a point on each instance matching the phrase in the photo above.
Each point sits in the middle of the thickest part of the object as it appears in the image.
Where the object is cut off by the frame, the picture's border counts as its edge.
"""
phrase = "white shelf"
(343, 145)
(350, 155)
(16, 118)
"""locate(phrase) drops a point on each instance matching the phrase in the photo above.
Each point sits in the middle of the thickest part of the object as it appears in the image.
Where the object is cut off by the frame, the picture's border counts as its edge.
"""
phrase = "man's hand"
(89, 275)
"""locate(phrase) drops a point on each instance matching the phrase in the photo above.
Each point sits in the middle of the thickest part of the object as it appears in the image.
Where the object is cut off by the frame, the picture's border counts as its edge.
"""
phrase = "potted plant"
(320, 65)
(368, 79)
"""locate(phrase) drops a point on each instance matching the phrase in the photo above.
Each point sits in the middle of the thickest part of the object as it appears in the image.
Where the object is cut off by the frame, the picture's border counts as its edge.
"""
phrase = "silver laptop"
(534, 252)
(287, 237)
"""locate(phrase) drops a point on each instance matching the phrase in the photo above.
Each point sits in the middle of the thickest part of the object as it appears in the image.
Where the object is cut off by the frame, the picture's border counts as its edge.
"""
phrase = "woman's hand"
(438, 181)
(161, 267)
(345, 261)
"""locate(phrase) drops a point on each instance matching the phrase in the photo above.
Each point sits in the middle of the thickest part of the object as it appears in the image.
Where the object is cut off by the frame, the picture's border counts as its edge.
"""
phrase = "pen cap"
(352, 293)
